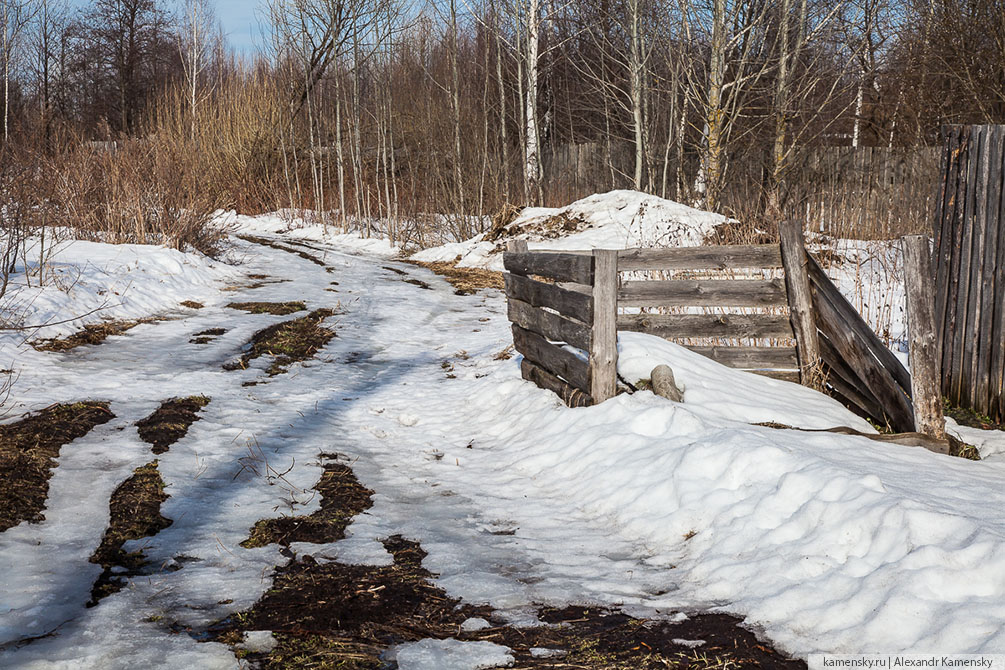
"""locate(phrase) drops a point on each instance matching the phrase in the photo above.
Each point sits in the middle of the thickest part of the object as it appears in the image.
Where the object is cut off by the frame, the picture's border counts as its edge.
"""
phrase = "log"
(557, 266)
(759, 256)
(797, 283)
(664, 384)
(670, 326)
(604, 338)
(705, 293)
(749, 358)
(537, 294)
(926, 395)
(549, 325)
(552, 358)
(570, 395)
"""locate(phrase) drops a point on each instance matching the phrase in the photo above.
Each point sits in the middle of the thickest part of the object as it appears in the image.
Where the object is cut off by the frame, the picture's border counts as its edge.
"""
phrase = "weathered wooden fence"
(969, 229)
(834, 348)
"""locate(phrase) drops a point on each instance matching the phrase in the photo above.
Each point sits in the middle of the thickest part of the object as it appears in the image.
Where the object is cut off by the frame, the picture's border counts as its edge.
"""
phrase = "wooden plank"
(570, 395)
(552, 358)
(853, 320)
(791, 376)
(984, 323)
(797, 285)
(926, 395)
(700, 258)
(671, 326)
(705, 293)
(955, 240)
(573, 304)
(949, 182)
(517, 246)
(858, 354)
(549, 325)
(560, 267)
(750, 358)
(971, 339)
(997, 341)
(843, 379)
(961, 327)
(604, 338)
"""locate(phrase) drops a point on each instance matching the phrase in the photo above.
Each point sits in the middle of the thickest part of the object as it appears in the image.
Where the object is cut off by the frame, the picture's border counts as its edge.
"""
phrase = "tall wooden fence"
(969, 230)
(563, 302)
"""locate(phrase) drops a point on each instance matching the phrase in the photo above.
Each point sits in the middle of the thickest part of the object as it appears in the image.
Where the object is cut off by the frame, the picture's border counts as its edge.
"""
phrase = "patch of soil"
(282, 247)
(170, 422)
(342, 498)
(135, 508)
(395, 270)
(419, 283)
(207, 336)
(94, 333)
(465, 281)
(968, 417)
(192, 304)
(288, 342)
(276, 308)
(28, 452)
(346, 616)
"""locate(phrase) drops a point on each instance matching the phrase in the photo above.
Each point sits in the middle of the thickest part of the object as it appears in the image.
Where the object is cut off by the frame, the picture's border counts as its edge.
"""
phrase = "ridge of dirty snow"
(292, 226)
(87, 282)
(615, 220)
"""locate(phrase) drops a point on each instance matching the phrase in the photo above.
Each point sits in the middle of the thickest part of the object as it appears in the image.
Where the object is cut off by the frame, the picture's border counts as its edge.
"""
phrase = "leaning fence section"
(970, 268)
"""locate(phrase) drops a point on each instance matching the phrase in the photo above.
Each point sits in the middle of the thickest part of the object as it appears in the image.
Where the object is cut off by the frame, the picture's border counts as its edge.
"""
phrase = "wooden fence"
(835, 349)
(969, 230)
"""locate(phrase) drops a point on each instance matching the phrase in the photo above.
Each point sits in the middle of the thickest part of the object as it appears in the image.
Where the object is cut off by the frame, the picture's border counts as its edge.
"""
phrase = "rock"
(664, 384)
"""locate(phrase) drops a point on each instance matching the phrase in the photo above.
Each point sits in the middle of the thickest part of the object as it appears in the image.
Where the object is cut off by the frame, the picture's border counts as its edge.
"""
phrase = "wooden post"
(924, 354)
(797, 283)
(604, 342)
(517, 246)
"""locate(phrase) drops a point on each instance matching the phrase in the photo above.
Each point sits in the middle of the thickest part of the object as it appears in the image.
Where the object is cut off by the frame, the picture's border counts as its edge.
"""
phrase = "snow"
(614, 220)
(451, 654)
(825, 542)
(293, 226)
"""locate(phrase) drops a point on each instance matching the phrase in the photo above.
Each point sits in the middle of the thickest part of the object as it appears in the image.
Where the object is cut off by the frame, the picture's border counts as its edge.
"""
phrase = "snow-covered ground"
(824, 542)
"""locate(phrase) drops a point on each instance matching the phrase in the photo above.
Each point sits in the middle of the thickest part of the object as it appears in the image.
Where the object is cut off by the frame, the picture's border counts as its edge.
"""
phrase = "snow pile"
(451, 654)
(614, 220)
(294, 227)
(86, 282)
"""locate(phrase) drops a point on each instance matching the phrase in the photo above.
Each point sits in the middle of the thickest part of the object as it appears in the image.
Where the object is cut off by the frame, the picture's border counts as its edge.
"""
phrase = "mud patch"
(28, 452)
(95, 333)
(342, 498)
(192, 304)
(207, 336)
(135, 513)
(288, 342)
(465, 281)
(419, 283)
(276, 308)
(282, 247)
(170, 422)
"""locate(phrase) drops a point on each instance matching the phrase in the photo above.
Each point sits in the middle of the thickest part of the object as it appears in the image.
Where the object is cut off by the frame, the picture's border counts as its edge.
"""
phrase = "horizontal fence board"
(554, 265)
(547, 324)
(781, 375)
(573, 304)
(570, 395)
(705, 293)
(751, 357)
(700, 258)
(670, 326)
(552, 358)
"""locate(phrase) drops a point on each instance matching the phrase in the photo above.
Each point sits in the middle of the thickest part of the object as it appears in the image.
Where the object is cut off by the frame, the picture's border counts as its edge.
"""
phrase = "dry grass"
(170, 422)
(288, 342)
(29, 450)
(92, 334)
(464, 280)
(275, 308)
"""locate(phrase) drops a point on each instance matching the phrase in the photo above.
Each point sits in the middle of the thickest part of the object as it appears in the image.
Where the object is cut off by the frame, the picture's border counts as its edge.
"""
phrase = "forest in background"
(133, 120)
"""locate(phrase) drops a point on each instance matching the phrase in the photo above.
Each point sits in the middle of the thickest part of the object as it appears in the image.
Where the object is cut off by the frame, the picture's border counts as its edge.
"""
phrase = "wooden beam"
(759, 256)
(671, 326)
(926, 395)
(552, 358)
(550, 325)
(573, 304)
(705, 293)
(570, 395)
(604, 339)
(557, 266)
(750, 358)
(797, 283)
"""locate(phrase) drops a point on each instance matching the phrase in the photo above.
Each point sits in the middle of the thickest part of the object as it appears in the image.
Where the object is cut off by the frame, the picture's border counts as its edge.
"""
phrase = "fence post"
(604, 340)
(797, 284)
(924, 353)
(517, 246)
